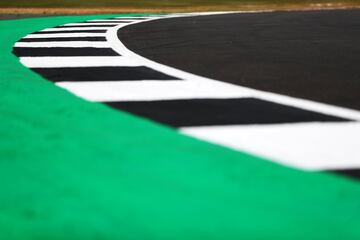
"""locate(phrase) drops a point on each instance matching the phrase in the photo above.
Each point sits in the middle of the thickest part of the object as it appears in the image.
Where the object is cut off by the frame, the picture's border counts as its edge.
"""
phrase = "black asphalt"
(313, 55)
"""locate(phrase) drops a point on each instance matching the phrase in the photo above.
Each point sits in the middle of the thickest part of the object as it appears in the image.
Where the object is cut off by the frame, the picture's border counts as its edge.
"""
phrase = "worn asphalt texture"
(307, 54)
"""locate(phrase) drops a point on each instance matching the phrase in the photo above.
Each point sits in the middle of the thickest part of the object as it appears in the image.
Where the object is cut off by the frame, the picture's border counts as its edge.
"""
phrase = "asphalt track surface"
(308, 54)
(90, 60)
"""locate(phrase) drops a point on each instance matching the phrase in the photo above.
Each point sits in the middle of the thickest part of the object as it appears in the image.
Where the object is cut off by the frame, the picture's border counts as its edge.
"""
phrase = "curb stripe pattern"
(91, 62)
(63, 51)
(100, 39)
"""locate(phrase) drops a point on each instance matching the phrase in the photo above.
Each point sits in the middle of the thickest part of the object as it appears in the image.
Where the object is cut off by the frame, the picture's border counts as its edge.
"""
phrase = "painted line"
(310, 146)
(83, 61)
(61, 51)
(85, 24)
(74, 29)
(87, 74)
(132, 18)
(149, 90)
(220, 112)
(91, 39)
(62, 35)
(73, 44)
(108, 21)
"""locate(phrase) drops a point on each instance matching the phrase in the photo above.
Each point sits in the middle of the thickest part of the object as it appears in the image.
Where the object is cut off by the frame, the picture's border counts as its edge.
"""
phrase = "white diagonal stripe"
(109, 20)
(57, 62)
(87, 23)
(148, 90)
(309, 146)
(133, 17)
(63, 44)
(64, 35)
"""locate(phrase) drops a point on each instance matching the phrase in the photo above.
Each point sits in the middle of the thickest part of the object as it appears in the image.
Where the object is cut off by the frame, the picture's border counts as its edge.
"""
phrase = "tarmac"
(312, 55)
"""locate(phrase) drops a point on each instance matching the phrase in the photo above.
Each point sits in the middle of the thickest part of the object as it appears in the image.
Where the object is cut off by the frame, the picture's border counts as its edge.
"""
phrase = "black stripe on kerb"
(82, 25)
(109, 21)
(65, 39)
(72, 31)
(352, 173)
(101, 74)
(208, 112)
(60, 51)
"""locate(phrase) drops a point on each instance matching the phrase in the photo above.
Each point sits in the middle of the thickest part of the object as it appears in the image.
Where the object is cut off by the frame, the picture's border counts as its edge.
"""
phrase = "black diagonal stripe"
(101, 74)
(65, 39)
(109, 21)
(207, 112)
(352, 173)
(82, 25)
(63, 51)
(72, 31)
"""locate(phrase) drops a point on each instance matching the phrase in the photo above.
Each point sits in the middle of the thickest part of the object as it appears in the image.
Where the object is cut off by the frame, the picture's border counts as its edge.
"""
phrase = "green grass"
(158, 3)
(71, 169)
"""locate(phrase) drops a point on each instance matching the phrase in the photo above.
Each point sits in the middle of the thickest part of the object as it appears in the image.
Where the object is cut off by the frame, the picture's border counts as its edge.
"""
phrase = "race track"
(312, 55)
(99, 141)
(283, 91)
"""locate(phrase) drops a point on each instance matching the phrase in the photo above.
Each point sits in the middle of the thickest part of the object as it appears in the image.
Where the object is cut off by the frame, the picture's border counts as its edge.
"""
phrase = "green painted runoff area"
(72, 169)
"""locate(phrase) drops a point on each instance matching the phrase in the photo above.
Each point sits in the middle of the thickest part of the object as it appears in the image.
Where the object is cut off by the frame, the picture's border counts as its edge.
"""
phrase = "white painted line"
(64, 35)
(74, 29)
(58, 62)
(149, 90)
(103, 21)
(309, 146)
(73, 44)
(132, 17)
(87, 23)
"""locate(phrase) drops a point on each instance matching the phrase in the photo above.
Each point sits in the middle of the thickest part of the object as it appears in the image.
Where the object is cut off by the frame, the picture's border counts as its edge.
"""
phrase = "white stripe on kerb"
(132, 18)
(309, 146)
(103, 21)
(58, 62)
(65, 35)
(88, 23)
(73, 44)
(73, 29)
(149, 90)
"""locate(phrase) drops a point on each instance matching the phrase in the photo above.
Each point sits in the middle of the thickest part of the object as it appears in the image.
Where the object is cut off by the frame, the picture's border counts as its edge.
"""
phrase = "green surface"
(71, 169)
(147, 3)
